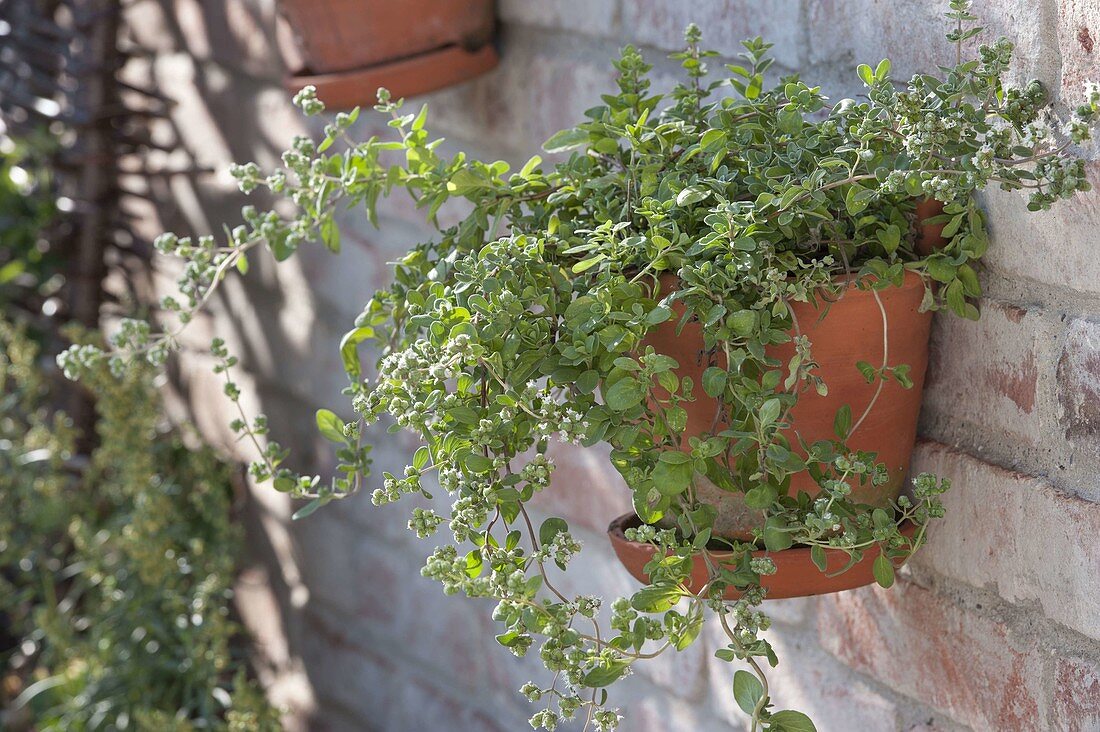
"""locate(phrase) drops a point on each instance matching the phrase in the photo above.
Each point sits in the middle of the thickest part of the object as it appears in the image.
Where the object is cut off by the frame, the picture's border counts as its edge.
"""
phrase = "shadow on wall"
(218, 62)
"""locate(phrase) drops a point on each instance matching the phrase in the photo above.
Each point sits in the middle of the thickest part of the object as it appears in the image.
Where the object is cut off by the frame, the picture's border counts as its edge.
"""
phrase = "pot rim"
(796, 573)
(616, 530)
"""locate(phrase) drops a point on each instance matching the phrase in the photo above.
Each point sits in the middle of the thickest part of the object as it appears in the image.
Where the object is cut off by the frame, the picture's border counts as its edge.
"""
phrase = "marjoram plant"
(527, 322)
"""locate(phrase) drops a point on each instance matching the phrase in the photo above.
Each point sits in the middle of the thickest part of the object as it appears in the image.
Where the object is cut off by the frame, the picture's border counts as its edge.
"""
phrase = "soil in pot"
(856, 327)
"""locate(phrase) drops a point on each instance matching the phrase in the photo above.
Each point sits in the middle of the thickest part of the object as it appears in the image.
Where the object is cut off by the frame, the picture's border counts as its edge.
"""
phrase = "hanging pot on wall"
(843, 332)
(883, 326)
(411, 47)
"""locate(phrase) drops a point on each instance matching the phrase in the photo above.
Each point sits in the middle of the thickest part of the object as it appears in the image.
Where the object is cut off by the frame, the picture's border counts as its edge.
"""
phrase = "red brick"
(1076, 706)
(952, 658)
(1017, 534)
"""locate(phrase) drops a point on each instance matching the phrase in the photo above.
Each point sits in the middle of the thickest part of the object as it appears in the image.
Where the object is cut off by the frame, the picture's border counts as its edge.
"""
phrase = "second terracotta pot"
(850, 329)
(352, 47)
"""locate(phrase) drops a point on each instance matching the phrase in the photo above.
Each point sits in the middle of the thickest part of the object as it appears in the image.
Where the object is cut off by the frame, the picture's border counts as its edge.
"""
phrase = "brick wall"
(996, 626)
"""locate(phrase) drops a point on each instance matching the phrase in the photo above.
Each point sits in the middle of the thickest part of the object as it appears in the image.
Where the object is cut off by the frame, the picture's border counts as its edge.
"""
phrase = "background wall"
(996, 626)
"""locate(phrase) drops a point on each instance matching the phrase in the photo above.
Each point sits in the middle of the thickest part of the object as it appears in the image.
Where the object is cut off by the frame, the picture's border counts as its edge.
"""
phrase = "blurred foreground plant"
(116, 571)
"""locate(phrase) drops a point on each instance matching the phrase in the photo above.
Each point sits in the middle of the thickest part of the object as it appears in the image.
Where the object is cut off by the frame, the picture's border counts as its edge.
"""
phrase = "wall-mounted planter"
(411, 47)
(842, 333)
(796, 575)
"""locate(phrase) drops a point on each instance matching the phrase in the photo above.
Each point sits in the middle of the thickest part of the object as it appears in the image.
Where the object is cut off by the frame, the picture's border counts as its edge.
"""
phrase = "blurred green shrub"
(28, 204)
(115, 574)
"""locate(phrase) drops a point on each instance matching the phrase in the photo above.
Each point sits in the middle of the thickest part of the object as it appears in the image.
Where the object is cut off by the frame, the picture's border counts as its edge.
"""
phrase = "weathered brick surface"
(1079, 384)
(806, 679)
(989, 373)
(586, 489)
(1076, 706)
(954, 658)
(725, 23)
(1018, 535)
(1050, 247)
(1079, 44)
(588, 17)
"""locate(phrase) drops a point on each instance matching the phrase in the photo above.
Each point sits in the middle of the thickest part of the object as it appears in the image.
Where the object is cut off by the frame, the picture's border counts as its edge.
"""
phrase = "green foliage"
(26, 208)
(115, 576)
(526, 321)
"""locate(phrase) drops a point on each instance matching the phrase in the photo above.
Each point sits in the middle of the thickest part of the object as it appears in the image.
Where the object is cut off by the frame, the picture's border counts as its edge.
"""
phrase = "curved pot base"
(407, 77)
(795, 576)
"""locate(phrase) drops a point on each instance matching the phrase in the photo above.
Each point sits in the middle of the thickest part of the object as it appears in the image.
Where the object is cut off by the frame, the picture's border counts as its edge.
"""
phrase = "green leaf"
(309, 508)
(842, 422)
(565, 140)
(655, 599)
(530, 166)
(474, 565)
(883, 570)
(883, 69)
(769, 411)
(776, 537)
(690, 632)
(890, 238)
(550, 528)
(421, 457)
(760, 497)
(869, 372)
(712, 138)
(658, 315)
(673, 478)
(588, 263)
(866, 74)
(714, 381)
(742, 322)
(625, 394)
(477, 463)
(330, 234)
(330, 426)
(789, 720)
(817, 554)
(588, 381)
(605, 675)
(349, 349)
(690, 195)
(901, 374)
(747, 690)
(756, 83)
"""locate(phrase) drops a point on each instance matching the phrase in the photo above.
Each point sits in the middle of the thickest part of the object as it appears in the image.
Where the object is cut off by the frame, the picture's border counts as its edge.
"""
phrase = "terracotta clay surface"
(841, 333)
(406, 78)
(931, 235)
(796, 575)
(343, 35)
(410, 47)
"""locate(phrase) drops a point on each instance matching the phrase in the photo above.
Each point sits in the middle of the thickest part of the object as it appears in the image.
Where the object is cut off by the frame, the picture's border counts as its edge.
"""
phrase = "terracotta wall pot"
(796, 575)
(930, 236)
(352, 47)
(850, 331)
